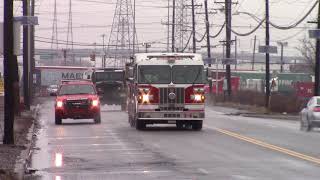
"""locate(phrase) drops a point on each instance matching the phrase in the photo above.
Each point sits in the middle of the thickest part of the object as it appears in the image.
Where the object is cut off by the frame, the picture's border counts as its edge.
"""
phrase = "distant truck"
(111, 83)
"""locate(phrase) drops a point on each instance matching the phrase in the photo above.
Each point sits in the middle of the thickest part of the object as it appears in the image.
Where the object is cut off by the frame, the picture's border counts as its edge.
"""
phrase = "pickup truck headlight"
(59, 104)
(95, 102)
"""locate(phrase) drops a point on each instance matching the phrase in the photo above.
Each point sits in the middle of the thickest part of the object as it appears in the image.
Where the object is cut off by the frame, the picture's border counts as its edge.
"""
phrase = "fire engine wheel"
(58, 120)
(131, 121)
(97, 119)
(140, 124)
(197, 126)
(180, 125)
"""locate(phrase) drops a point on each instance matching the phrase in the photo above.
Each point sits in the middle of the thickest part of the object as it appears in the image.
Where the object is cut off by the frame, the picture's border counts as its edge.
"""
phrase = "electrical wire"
(187, 42)
(204, 35)
(219, 32)
(298, 22)
(250, 32)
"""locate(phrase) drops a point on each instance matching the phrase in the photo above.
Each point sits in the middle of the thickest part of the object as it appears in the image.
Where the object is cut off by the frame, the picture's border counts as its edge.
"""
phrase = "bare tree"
(308, 51)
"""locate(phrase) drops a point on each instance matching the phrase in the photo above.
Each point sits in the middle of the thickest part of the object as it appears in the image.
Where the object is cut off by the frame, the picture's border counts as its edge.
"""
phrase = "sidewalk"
(12, 155)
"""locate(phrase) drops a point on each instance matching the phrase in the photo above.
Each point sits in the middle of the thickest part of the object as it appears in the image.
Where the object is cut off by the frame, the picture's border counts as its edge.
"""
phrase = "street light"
(282, 44)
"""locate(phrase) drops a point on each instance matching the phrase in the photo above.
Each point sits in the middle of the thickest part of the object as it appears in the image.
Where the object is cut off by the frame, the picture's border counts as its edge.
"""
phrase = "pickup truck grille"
(164, 96)
(77, 103)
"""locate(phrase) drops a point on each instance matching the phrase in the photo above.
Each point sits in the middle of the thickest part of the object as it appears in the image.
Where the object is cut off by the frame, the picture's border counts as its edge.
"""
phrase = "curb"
(24, 160)
(266, 116)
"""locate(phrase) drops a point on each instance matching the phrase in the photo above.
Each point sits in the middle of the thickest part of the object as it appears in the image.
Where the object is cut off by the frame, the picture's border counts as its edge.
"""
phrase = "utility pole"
(282, 44)
(236, 52)
(208, 39)
(228, 4)
(134, 28)
(168, 35)
(103, 62)
(317, 69)
(147, 45)
(254, 52)
(267, 98)
(173, 24)
(208, 33)
(193, 28)
(9, 72)
(32, 52)
(26, 56)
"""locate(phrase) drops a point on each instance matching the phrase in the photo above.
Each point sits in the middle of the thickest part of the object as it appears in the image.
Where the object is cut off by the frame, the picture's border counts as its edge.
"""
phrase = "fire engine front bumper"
(172, 116)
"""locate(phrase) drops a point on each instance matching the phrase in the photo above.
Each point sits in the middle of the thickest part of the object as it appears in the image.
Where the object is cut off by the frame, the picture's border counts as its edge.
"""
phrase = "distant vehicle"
(166, 89)
(112, 85)
(52, 90)
(77, 99)
(310, 115)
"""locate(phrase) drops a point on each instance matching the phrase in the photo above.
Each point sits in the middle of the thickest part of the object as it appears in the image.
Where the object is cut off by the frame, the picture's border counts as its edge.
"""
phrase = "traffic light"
(92, 57)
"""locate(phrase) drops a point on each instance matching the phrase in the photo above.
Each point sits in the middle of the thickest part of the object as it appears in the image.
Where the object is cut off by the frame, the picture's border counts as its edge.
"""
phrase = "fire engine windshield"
(154, 74)
(182, 74)
(75, 89)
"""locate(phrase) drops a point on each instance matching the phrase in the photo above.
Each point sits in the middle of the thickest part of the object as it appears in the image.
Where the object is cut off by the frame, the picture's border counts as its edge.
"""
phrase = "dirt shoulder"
(13, 155)
(255, 111)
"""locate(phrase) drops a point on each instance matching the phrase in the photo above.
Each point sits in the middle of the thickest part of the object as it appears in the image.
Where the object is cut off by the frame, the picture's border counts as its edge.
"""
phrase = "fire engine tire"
(140, 124)
(179, 125)
(58, 120)
(97, 119)
(123, 107)
(197, 126)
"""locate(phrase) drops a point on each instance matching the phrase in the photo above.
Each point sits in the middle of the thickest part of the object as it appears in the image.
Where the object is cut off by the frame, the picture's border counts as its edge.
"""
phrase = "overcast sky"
(92, 18)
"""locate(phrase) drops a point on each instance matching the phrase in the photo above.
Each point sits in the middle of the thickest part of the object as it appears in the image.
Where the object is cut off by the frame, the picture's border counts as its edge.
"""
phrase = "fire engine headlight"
(95, 102)
(197, 97)
(59, 104)
(145, 98)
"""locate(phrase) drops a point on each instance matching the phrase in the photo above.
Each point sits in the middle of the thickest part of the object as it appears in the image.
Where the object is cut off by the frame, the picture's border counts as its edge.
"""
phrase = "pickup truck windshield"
(182, 74)
(154, 74)
(76, 89)
(109, 76)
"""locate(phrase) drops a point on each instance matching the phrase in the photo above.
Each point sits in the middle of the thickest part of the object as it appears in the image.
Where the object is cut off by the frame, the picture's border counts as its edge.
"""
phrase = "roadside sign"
(314, 33)
(229, 61)
(268, 49)
(209, 60)
(27, 20)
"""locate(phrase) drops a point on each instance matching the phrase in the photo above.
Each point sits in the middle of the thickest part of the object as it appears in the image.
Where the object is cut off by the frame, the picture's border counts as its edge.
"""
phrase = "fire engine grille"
(77, 103)
(164, 96)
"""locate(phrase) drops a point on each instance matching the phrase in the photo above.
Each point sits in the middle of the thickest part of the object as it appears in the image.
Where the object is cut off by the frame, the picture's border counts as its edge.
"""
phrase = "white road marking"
(203, 171)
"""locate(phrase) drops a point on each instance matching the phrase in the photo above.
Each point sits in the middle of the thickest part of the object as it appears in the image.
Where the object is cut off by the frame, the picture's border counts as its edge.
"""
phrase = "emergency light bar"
(170, 57)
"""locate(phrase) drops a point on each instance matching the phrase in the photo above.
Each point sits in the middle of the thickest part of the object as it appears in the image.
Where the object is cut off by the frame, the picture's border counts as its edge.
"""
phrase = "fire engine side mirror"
(130, 79)
(209, 79)
(130, 73)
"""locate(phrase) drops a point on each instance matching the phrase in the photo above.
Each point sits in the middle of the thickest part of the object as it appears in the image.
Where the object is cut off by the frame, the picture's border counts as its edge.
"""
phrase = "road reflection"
(58, 160)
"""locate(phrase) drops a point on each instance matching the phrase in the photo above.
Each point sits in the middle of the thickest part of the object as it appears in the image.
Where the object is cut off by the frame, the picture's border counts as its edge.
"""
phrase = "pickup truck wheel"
(97, 119)
(197, 126)
(58, 120)
(140, 124)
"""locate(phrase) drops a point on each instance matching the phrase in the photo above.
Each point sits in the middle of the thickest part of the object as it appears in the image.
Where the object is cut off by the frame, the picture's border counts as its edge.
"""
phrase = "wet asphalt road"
(229, 147)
